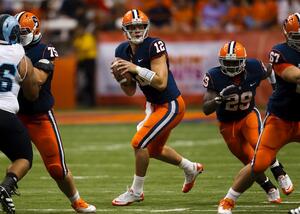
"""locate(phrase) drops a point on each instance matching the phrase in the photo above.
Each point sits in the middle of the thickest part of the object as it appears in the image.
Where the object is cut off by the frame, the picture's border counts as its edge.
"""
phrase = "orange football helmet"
(30, 28)
(232, 57)
(291, 30)
(136, 25)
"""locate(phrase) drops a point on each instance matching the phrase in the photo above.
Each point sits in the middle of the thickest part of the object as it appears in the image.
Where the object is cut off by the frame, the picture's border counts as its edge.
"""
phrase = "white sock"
(186, 165)
(275, 164)
(75, 197)
(138, 184)
(233, 194)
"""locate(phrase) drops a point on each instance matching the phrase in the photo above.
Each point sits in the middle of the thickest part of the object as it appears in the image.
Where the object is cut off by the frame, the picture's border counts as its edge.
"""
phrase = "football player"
(231, 90)
(15, 70)
(38, 116)
(146, 59)
(282, 122)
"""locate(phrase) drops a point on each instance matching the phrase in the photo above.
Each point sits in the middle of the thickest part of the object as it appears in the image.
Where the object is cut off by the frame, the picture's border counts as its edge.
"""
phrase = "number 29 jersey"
(241, 101)
(151, 48)
(10, 57)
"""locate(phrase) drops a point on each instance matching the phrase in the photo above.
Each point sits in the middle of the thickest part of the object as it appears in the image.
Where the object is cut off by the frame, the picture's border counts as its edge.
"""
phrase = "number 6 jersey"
(148, 50)
(10, 57)
(241, 100)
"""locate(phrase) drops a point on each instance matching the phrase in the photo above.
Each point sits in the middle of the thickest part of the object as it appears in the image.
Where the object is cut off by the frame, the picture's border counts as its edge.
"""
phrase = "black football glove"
(226, 92)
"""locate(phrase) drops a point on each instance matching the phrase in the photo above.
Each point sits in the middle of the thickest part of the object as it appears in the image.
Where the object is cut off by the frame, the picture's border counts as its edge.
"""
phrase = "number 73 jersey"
(240, 100)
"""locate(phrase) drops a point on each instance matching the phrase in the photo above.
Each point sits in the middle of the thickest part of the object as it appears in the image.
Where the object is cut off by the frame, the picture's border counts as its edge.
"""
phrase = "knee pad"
(56, 171)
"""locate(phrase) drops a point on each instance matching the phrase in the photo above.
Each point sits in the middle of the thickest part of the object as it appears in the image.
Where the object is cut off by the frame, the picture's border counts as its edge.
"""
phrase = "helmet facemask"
(293, 40)
(136, 31)
(26, 36)
(231, 65)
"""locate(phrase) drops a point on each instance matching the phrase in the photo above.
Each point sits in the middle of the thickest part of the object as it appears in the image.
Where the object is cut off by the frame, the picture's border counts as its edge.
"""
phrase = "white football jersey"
(10, 57)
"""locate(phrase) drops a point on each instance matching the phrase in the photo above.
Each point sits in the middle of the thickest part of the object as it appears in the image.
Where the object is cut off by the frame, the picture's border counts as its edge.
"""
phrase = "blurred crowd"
(165, 15)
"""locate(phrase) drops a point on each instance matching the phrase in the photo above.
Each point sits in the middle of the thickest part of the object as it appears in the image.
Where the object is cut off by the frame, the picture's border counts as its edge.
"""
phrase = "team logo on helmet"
(291, 30)
(30, 28)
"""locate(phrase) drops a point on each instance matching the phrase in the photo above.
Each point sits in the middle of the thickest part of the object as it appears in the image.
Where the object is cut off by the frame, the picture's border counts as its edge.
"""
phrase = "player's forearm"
(210, 106)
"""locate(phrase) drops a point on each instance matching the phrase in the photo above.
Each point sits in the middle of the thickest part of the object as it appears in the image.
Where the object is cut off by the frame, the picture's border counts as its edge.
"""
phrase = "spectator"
(236, 15)
(262, 14)
(211, 16)
(183, 15)
(160, 15)
(86, 52)
(287, 7)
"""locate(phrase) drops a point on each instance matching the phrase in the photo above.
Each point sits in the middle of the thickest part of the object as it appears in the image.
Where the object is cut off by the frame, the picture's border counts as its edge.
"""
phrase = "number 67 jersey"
(285, 101)
(240, 102)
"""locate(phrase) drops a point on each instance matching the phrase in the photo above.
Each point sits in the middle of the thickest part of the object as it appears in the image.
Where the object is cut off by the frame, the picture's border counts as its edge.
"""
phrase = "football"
(127, 79)
(124, 79)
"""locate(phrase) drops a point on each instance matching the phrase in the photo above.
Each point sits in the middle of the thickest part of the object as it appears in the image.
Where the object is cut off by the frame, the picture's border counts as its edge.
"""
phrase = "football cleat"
(6, 201)
(225, 206)
(274, 196)
(80, 206)
(127, 198)
(295, 211)
(190, 178)
(286, 184)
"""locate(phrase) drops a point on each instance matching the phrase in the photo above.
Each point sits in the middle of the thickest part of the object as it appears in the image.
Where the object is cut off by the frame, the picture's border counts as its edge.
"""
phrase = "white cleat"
(127, 198)
(274, 196)
(80, 206)
(295, 211)
(225, 206)
(190, 178)
(285, 184)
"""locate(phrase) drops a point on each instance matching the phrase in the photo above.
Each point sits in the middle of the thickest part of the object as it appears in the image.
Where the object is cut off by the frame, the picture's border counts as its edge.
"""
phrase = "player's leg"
(251, 128)
(158, 150)
(45, 135)
(17, 147)
(248, 128)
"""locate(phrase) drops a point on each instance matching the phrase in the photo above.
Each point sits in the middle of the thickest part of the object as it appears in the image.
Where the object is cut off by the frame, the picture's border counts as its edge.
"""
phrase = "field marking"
(179, 210)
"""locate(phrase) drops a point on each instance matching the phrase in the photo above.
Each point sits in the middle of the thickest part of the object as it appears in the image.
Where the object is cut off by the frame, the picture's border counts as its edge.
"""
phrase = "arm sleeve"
(157, 49)
(208, 82)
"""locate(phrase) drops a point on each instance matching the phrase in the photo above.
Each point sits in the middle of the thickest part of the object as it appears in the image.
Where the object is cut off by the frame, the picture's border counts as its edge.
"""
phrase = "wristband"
(145, 73)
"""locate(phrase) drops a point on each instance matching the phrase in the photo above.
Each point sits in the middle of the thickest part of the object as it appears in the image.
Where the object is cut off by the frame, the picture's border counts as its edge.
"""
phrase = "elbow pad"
(45, 65)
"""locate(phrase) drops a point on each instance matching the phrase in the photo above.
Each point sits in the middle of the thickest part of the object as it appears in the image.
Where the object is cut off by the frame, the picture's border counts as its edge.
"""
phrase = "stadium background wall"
(257, 43)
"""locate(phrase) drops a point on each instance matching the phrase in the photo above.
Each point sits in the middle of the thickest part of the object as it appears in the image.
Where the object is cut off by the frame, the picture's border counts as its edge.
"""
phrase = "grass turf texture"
(102, 162)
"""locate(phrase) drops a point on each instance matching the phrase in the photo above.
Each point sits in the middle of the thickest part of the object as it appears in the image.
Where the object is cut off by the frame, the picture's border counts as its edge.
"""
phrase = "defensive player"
(147, 60)
(281, 125)
(38, 116)
(15, 70)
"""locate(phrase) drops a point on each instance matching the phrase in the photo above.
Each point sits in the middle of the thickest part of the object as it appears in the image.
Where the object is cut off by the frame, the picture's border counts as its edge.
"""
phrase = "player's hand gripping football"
(225, 93)
(120, 70)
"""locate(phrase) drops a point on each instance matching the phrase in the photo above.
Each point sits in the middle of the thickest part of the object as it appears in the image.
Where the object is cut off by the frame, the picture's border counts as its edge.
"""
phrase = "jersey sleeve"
(157, 49)
(278, 61)
(49, 52)
(208, 82)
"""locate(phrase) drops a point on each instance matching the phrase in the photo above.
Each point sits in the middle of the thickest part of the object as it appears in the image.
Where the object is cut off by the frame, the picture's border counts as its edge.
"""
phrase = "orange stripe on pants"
(155, 130)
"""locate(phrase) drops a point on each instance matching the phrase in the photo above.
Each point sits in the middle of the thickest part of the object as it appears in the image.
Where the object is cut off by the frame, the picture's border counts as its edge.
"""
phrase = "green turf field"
(101, 160)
